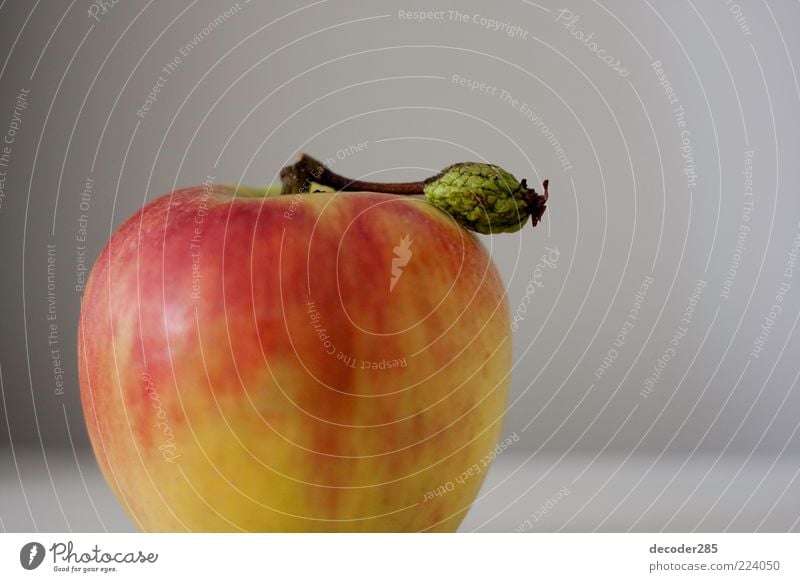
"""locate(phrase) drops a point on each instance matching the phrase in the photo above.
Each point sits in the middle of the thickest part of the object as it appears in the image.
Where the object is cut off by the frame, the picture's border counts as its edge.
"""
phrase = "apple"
(313, 362)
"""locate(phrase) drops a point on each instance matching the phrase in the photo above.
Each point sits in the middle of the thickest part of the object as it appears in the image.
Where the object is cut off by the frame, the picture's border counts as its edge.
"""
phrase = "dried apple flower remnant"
(481, 197)
(485, 198)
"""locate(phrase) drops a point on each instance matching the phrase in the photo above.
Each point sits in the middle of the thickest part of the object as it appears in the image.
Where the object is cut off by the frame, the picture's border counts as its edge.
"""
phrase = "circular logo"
(31, 555)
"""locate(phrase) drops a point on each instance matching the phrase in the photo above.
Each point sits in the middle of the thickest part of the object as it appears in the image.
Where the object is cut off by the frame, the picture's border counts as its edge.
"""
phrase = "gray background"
(717, 435)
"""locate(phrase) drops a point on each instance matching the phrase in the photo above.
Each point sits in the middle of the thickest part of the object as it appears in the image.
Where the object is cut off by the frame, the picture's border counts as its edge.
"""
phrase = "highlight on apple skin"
(316, 362)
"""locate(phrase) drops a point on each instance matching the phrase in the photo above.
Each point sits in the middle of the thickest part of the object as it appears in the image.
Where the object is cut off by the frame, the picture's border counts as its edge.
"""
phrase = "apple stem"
(299, 176)
(456, 190)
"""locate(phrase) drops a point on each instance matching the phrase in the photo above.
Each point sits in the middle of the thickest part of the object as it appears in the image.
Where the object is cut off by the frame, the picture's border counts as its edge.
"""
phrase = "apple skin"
(222, 343)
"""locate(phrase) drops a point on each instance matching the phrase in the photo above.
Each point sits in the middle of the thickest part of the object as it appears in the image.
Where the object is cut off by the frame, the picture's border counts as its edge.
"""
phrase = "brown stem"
(299, 176)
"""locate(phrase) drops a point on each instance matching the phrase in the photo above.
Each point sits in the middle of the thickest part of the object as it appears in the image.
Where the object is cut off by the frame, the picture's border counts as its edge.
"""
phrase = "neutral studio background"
(634, 196)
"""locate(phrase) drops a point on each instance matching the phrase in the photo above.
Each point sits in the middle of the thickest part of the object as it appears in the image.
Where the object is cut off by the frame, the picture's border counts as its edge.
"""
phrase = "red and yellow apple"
(314, 362)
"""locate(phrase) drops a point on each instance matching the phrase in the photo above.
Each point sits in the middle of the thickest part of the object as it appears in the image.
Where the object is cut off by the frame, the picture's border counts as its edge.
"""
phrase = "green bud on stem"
(481, 197)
